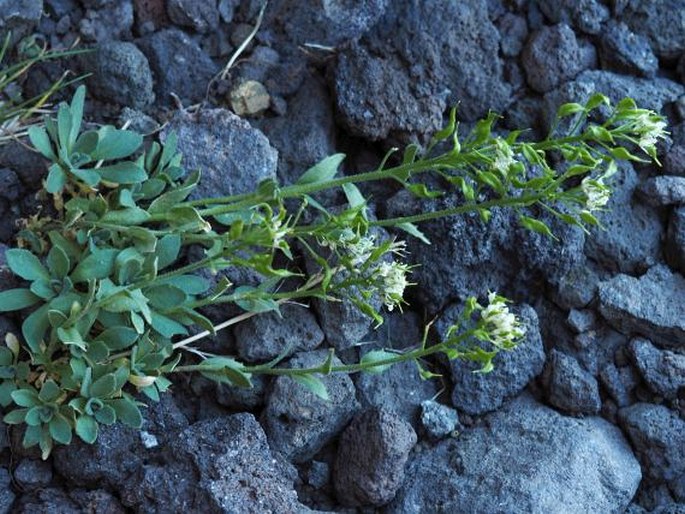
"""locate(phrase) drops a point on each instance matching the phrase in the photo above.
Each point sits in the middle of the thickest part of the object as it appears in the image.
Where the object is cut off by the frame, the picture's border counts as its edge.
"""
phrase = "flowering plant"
(116, 303)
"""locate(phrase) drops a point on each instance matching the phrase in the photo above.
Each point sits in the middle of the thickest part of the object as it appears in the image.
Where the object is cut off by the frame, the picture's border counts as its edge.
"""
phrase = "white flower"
(596, 194)
(503, 326)
(360, 250)
(393, 281)
(650, 128)
(504, 157)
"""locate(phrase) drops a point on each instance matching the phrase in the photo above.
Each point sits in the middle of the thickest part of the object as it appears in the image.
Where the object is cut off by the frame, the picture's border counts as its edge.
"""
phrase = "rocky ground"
(587, 416)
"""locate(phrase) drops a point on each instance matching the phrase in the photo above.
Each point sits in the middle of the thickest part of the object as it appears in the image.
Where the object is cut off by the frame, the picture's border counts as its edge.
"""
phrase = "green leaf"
(90, 177)
(26, 398)
(313, 384)
(77, 103)
(50, 392)
(118, 338)
(143, 239)
(126, 172)
(175, 196)
(116, 144)
(41, 141)
(64, 123)
(188, 219)
(106, 415)
(226, 371)
(71, 336)
(56, 180)
(377, 356)
(421, 191)
(596, 100)
(127, 412)
(60, 429)
(86, 143)
(15, 417)
(353, 195)
(35, 326)
(166, 326)
(97, 265)
(165, 296)
(254, 304)
(569, 109)
(58, 262)
(536, 226)
(190, 284)
(167, 250)
(87, 429)
(103, 387)
(26, 265)
(412, 229)
(125, 217)
(323, 171)
(15, 299)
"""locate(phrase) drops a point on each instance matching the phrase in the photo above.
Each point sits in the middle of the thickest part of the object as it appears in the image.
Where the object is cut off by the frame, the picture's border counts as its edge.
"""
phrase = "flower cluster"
(504, 328)
(650, 129)
(392, 279)
(597, 194)
(504, 157)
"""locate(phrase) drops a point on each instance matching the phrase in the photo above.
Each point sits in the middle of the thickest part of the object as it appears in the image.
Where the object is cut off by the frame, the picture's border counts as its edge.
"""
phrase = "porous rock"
(662, 370)
(179, 66)
(551, 57)
(658, 437)
(586, 15)
(652, 305)
(527, 458)
(438, 420)
(630, 240)
(109, 22)
(675, 240)
(263, 337)
(623, 51)
(200, 15)
(372, 452)
(19, 17)
(569, 387)
(478, 393)
(121, 74)
(298, 422)
(663, 190)
(662, 22)
(232, 156)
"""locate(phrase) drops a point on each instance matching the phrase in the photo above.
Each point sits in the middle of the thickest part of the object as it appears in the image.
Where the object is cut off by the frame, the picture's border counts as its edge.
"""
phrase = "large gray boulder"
(652, 305)
(527, 459)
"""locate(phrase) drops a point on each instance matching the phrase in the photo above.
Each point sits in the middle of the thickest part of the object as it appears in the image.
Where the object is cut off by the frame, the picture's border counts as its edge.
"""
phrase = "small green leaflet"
(314, 384)
(322, 171)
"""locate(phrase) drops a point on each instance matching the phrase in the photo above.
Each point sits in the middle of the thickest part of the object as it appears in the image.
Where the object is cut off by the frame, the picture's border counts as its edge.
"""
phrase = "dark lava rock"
(509, 464)
(586, 15)
(663, 190)
(551, 57)
(108, 23)
(658, 437)
(299, 423)
(630, 240)
(11, 187)
(581, 320)
(596, 348)
(238, 472)
(576, 289)
(19, 17)
(421, 54)
(232, 156)
(369, 89)
(569, 387)
(263, 337)
(28, 165)
(200, 15)
(121, 74)
(305, 134)
(662, 370)
(7, 496)
(438, 420)
(675, 240)
(652, 305)
(179, 66)
(325, 22)
(626, 52)
(660, 21)
(478, 393)
(119, 451)
(674, 162)
(31, 474)
(514, 32)
(619, 382)
(372, 452)
(399, 389)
